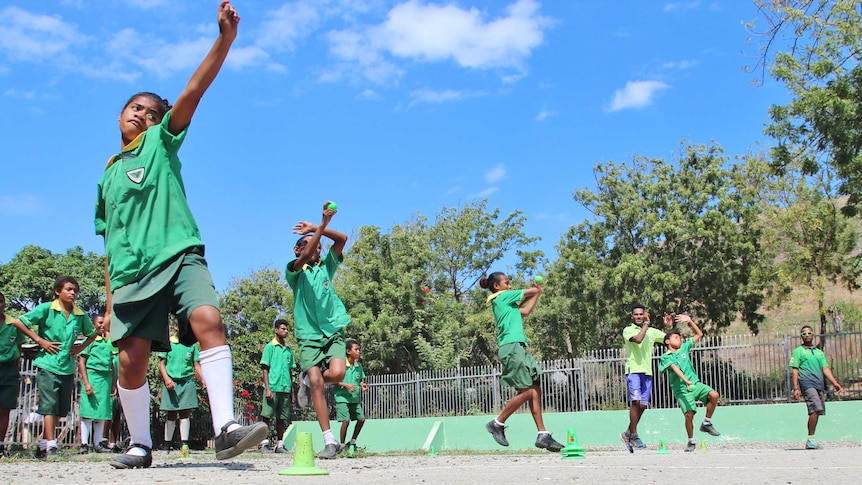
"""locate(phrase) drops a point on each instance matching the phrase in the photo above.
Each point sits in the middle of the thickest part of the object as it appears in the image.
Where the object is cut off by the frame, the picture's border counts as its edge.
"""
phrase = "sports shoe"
(498, 431)
(83, 449)
(690, 446)
(547, 442)
(280, 449)
(228, 445)
(166, 447)
(101, 447)
(707, 428)
(39, 454)
(812, 445)
(125, 460)
(2, 451)
(303, 397)
(329, 452)
(265, 449)
(624, 436)
(184, 451)
(52, 452)
(116, 448)
(637, 443)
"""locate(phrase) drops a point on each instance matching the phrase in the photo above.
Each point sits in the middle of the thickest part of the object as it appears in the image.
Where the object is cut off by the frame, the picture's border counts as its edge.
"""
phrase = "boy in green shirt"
(276, 363)
(319, 315)
(59, 322)
(684, 382)
(347, 406)
(808, 365)
(10, 355)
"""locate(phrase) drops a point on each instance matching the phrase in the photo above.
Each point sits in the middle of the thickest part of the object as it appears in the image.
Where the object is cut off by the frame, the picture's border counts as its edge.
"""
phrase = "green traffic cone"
(303, 458)
(572, 450)
(662, 449)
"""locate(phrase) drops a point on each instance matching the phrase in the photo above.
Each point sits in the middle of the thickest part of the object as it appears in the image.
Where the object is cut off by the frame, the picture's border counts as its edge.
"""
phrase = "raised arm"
(644, 327)
(698, 334)
(305, 255)
(186, 104)
(531, 297)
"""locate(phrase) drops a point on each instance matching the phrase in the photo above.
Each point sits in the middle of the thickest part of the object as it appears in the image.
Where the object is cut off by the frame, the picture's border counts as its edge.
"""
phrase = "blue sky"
(389, 108)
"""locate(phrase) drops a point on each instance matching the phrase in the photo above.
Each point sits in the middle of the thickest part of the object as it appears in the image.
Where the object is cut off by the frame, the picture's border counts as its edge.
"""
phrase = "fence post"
(789, 392)
(496, 395)
(418, 400)
(582, 390)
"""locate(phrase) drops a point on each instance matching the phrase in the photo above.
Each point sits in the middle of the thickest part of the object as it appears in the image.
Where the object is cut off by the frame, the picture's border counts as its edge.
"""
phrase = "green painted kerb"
(737, 424)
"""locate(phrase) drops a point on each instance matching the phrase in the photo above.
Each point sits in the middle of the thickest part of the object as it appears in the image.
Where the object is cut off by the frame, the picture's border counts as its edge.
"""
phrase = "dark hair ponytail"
(488, 282)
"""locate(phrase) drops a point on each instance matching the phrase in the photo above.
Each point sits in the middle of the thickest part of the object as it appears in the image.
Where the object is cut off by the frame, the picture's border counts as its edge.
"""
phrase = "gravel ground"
(769, 463)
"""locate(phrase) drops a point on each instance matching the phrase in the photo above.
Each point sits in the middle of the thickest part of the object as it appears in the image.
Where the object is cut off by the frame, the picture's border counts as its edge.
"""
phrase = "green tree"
(28, 278)
(680, 236)
(814, 48)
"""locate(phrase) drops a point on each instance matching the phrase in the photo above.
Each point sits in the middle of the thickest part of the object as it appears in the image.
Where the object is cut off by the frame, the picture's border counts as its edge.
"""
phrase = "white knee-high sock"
(86, 425)
(98, 431)
(185, 427)
(170, 426)
(136, 408)
(217, 370)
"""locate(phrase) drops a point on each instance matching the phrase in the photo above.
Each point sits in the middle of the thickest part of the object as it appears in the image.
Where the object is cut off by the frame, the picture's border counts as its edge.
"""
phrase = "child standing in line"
(94, 367)
(347, 406)
(684, 382)
(11, 339)
(179, 392)
(319, 315)
(155, 260)
(520, 370)
(60, 323)
(276, 363)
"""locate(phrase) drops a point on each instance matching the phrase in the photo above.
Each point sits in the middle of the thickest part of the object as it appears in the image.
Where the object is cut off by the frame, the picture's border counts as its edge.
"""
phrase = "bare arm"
(794, 381)
(698, 333)
(169, 383)
(199, 371)
(82, 370)
(640, 335)
(319, 231)
(267, 392)
(676, 370)
(531, 296)
(108, 299)
(50, 347)
(828, 373)
(187, 102)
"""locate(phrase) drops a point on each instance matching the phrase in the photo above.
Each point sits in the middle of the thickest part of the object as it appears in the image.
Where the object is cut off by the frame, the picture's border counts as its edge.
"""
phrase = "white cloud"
(428, 32)
(289, 23)
(681, 65)
(369, 94)
(636, 94)
(430, 96)
(485, 193)
(146, 4)
(496, 174)
(675, 6)
(14, 93)
(20, 205)
(544, 114)
(34, 37)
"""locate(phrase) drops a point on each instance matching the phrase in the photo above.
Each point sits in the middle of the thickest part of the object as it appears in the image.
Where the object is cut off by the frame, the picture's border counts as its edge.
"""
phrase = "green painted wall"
(737, 424)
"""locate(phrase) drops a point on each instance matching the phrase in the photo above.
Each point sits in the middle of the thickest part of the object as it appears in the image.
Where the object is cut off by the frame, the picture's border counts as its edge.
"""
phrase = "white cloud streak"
(636, 94)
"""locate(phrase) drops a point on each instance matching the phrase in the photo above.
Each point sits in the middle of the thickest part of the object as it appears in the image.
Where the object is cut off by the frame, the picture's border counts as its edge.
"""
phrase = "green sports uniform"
(278, 360)
(55, 378)
(639, 356)
(318, 313)
(682, 359)
(347, 406)
(10, 343)
(520, 370)
(152, 242)
(810, 362)
(99, 372)
(180, 366)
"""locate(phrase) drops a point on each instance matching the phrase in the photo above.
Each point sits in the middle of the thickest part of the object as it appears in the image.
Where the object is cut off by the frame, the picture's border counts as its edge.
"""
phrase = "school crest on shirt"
(136, 175)
(12, 339)
(326, 284)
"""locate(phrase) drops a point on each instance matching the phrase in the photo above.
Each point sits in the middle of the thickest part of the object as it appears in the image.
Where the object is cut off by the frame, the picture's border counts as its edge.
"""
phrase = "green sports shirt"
(507, 313)
(98, 355)
(810, 361)
(180, 361)
(318, 313)
(10, 340)
(639, 356)
(141, 208)
(54, 326)
(682, 359)
(279, 360)
(354, 374)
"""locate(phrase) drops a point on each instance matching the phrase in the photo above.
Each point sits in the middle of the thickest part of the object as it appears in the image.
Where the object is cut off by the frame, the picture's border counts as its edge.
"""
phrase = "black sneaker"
(229, 445)
(329, 452)
(39, 454)
(280, 449)
(266, 450)
(101, 447)
(547, 442)
(126, 460)
(498, 432)
(116, 448)
(2, 451)
(624, 436)
(166, 447)
(707, 428)
(83, 449)
(690, 447)
(52, 452)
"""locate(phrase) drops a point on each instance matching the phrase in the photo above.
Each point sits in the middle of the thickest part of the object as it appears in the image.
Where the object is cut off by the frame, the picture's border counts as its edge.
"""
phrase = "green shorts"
(315, 352)
(55, 393)
(10, 378)
(98, 405)
(184, 395)
(348, 411)
(278, 407)
(687, 400)
(141, 309)
(520, 370)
